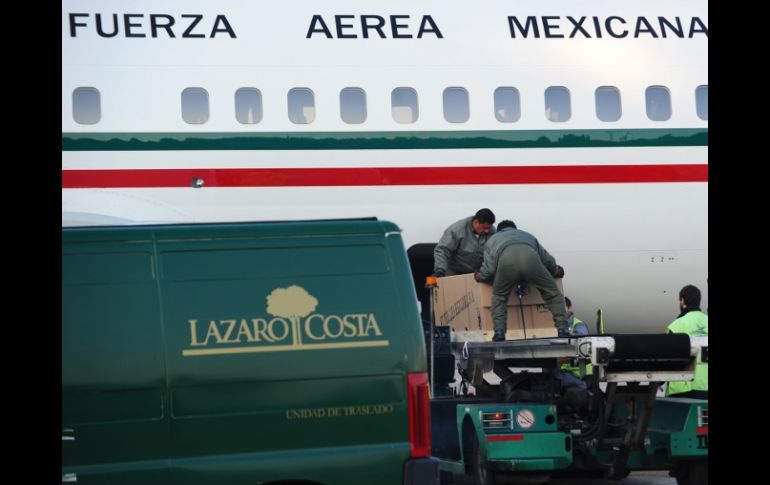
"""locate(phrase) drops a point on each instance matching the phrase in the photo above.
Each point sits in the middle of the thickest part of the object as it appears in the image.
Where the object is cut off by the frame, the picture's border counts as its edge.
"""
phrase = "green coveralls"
(460, 250)
(513, 256)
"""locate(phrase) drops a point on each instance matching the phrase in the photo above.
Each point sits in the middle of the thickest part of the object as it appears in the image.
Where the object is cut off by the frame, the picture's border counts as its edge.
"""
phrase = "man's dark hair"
(567, 301)
(691, 295)
(505, 224)
(484, 216)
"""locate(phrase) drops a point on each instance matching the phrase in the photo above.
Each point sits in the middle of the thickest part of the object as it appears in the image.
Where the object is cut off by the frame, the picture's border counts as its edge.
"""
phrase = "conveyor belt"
(651, 346)
(516, 349)
(630, 358)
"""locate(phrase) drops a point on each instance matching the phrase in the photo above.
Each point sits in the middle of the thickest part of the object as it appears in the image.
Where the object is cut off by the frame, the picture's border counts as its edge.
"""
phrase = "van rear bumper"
(421, 471)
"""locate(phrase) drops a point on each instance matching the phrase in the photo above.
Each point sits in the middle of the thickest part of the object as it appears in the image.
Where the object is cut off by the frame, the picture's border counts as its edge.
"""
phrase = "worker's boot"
(499, 335)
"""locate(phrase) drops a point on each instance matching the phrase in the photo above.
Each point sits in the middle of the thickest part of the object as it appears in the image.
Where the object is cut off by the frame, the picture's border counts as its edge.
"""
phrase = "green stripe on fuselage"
(384, 140)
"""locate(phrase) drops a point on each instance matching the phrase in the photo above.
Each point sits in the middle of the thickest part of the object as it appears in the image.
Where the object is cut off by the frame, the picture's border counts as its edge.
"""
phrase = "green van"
(248, 353)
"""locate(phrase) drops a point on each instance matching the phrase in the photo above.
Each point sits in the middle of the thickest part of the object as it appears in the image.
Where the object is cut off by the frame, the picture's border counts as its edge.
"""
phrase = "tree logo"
(292, 303)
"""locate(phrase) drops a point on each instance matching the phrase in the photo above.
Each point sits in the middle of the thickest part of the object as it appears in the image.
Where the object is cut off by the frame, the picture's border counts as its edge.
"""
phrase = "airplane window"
(403, 105)
(702, 102)
(301, 106)
(86, 106)
(456, 109)
(353, 105)
(658, 102)
(607, 103)
(248, 106)
(507, 105)
(195, 106)
(557, 107)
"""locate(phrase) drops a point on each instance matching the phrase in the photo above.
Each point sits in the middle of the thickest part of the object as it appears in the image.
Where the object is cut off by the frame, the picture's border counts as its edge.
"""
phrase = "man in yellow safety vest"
(693, 322)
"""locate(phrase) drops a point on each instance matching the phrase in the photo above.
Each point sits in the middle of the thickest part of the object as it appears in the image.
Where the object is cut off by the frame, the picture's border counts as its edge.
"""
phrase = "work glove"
(563, 332)
(477, 276)
(559, 273)
(438, 273)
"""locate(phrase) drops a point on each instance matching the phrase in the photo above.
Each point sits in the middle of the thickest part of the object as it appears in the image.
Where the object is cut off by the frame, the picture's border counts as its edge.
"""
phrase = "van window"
(301, 106)
(507, 105)
(702, 102)
(658, 101)
(195, 106)
(403, 105)
(456, 109)
(557, 104)
(86, 106)
(248, 106)
(607, 103)
(353, 105)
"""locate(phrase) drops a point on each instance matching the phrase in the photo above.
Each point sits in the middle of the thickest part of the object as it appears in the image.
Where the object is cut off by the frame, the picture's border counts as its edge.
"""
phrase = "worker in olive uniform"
(693, 322)
(461, 248)
(512, 256)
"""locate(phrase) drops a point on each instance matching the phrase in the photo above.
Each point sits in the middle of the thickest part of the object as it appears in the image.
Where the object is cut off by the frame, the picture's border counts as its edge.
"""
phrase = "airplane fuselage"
(582, 122)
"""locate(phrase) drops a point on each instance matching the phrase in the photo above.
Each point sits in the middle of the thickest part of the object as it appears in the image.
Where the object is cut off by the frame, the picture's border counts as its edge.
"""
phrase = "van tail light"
(418, 399)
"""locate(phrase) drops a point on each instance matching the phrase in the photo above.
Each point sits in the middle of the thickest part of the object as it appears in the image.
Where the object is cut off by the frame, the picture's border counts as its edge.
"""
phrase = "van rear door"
(115, 419)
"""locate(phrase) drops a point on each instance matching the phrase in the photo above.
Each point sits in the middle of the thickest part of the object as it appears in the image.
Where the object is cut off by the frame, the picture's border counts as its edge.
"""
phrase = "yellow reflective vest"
(693, 323)
(567, 367)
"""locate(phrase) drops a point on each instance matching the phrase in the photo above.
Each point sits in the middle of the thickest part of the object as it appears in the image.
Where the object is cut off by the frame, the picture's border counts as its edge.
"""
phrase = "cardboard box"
(465, 305)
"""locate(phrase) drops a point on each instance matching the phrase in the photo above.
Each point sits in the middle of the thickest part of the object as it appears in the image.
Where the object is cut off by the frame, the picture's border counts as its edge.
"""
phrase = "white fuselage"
(627, 216)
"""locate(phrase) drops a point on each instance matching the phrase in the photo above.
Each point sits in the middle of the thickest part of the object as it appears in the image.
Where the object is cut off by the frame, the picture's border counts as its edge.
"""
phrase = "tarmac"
(635, 478)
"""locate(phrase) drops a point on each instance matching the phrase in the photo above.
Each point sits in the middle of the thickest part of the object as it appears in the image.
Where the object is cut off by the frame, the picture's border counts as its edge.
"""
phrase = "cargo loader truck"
(500, 412)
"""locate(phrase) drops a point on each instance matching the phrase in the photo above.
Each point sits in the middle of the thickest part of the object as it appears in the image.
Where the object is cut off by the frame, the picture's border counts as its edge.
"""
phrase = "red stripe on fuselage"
(373, 176)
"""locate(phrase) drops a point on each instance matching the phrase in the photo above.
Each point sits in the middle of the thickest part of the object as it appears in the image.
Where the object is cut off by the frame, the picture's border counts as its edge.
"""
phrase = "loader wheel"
(481, 476)
(694, 473)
